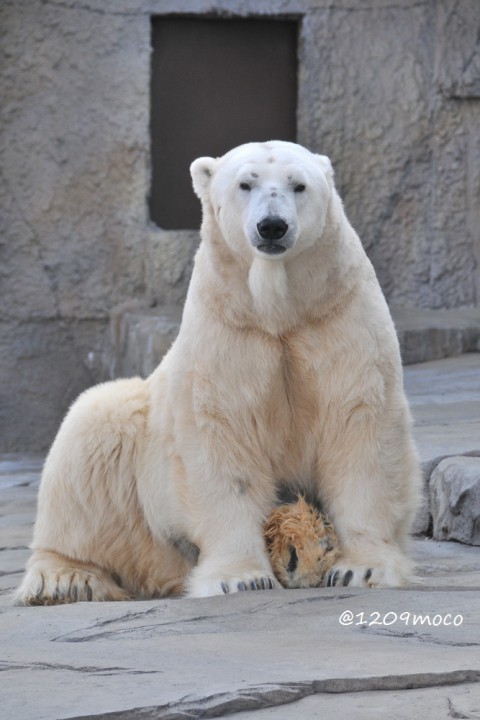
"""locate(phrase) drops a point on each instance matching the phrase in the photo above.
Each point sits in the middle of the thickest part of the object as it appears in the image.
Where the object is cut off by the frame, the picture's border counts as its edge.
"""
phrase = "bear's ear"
(201, 171)
(325, 164)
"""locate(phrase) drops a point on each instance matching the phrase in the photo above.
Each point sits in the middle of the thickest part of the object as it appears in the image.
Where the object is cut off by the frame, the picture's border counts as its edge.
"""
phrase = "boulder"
(455, 500)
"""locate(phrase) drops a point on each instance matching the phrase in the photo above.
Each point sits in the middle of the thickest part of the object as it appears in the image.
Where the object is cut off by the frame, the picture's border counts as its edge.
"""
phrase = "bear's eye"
(245, 186)
(299, 188)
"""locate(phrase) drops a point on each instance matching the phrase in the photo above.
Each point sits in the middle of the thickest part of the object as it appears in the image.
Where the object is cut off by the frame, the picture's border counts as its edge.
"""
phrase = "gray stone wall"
(74, 123)
(391, 91)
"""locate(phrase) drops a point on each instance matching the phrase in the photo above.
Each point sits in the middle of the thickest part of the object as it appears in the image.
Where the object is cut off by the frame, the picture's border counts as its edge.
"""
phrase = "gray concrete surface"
(444, 398)
(277, 654)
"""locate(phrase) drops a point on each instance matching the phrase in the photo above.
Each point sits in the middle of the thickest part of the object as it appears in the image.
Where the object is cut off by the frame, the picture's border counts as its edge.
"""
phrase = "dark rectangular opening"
(215, 83)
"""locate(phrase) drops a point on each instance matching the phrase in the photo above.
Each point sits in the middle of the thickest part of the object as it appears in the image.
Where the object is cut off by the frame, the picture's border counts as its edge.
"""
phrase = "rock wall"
(393, 95)
(390, 91)
(74, 119)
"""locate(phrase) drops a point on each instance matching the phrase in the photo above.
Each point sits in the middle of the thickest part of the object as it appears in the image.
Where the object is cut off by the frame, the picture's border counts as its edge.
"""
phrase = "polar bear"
(286, 373)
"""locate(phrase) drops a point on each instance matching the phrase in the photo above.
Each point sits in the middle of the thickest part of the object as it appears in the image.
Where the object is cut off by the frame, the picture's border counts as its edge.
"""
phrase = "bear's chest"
(265, 394)
(289, 412)
(301, 382)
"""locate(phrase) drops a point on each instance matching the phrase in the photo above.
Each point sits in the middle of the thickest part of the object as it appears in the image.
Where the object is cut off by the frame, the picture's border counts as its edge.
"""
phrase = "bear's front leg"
(229, 532)
(223, 411)
(369, 483)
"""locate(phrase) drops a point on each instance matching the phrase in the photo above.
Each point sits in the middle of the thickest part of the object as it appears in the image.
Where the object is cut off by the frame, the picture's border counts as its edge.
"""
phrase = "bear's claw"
(336, 577)
(263, 583)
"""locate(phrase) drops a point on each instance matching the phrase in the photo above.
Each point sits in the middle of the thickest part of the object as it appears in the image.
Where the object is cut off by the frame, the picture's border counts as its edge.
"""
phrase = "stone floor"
(330, 652)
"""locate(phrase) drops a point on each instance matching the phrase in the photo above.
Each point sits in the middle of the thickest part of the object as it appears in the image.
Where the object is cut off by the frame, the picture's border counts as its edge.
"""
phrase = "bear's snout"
(271, 229)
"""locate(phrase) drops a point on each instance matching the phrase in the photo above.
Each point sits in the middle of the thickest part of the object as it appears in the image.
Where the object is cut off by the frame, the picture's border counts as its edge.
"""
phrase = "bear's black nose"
(272, 228)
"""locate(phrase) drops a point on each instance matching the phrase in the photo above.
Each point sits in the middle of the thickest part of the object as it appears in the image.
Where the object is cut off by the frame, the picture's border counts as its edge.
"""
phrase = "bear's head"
(271, 197)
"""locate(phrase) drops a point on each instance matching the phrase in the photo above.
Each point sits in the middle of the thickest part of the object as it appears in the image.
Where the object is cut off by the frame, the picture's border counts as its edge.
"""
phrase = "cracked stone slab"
(454, 701)
(439, 564)
(303, 700)
(218, 655)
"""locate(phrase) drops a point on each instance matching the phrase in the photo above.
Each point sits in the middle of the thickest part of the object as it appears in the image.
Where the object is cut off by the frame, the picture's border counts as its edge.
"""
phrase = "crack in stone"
(456, 713)
(96, 11)
(138, 628)
(373, 8)
(217, 705)
(424, 638)
(264, 696)
(322, 598)
(14, 547)
(132, 616)
(88, 669)
(4, 573)
(122, 618)
(398, 682)
(163, 628)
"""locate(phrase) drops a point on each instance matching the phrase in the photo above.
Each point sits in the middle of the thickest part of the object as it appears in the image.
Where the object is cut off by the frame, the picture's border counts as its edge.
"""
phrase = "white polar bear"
(286, 371)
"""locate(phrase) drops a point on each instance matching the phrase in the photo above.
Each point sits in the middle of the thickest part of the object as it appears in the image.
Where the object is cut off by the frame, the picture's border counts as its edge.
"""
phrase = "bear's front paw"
(259, 583)
(391, 570)
(228, 581)
(355, 576)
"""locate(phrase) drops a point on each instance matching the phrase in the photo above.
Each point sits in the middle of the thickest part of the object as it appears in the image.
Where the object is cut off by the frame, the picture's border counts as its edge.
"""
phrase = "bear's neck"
(268, 285)
(276, 296)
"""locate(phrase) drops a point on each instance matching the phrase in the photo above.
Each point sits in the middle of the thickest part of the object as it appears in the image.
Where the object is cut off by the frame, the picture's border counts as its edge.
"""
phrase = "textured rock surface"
(168, 265)
(403, 144)
(391, 93)
(273, 654)
(139, 339)
(455, 500)
(74, 119)
(435, 334)
(448, 701)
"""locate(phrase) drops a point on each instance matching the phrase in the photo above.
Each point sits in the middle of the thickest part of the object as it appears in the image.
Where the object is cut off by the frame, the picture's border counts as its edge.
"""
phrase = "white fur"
(268, 284)
(286, 368)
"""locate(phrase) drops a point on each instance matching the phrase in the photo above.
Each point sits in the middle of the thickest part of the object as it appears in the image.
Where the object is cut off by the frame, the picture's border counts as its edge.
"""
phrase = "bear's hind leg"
(54, 579)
